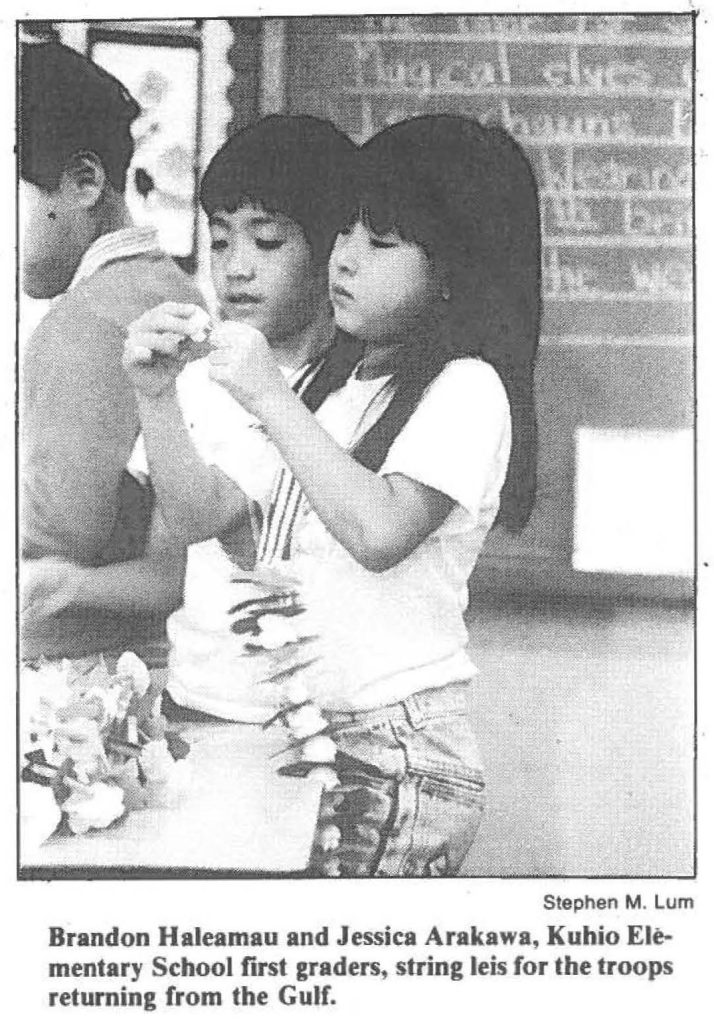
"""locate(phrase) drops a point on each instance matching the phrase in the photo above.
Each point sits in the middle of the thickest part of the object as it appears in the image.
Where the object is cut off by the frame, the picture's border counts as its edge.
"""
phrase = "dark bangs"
(297, 166)
(386, 198)
(381, 215)
(230, 183)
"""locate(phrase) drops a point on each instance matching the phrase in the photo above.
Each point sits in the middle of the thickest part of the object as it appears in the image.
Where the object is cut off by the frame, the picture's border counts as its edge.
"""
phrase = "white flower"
(305, 721)
(296, 691)
(125, 691)
(108, 702)
(275, 631)
(156, 761)
(126, 775)
(198, 326)
(39, 815)
(280, 630)
(37, 725)
(130, 666)
(51, 678)
(80, 740)
(326, 776)
(329, 838)
(319, 749)
(43, 692)
(84, 681)
(95, 806)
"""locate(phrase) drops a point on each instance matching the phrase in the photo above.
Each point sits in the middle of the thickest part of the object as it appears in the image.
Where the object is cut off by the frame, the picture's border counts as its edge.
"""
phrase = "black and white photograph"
(356, 447)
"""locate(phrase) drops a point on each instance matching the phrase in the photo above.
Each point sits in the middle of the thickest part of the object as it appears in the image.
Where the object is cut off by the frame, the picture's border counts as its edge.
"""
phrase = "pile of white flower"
(93, 746)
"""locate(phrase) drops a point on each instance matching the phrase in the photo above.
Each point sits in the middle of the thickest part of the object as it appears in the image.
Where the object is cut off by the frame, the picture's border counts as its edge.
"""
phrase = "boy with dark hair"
(79, 417)
(276, 194)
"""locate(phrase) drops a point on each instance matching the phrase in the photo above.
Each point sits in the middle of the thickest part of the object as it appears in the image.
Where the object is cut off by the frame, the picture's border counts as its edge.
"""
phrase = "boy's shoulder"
(123, 289)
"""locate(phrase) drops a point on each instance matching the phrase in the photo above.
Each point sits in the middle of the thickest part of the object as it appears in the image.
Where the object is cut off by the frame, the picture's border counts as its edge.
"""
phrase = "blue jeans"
(411, 794)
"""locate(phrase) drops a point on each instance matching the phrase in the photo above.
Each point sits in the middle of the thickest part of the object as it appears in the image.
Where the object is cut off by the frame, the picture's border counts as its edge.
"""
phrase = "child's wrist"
(160, 408)
(270, 405)
(77, 591)
(167, 396)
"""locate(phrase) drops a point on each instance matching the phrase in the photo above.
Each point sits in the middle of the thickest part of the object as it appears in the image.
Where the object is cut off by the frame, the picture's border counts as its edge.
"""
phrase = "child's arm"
(152, 584)
(197, 501)
(380, 520)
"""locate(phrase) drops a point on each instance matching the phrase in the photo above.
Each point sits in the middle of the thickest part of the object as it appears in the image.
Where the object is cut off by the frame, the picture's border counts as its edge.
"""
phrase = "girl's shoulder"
(469, 379)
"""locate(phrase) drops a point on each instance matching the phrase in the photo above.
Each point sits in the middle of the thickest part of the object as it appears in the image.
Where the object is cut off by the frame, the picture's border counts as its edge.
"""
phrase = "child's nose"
(240, 263)
(346, 256)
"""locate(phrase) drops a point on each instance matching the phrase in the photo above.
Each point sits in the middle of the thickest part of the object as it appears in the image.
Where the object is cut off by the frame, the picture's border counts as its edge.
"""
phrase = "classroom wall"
(585, 719)
(602, 106)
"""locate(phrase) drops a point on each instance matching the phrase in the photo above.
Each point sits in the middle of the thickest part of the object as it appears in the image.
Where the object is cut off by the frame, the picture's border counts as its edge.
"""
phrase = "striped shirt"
(116, 245)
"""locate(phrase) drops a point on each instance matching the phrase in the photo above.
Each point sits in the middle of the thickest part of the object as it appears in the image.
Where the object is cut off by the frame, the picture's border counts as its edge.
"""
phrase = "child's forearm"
(197, 501)
(150, 584)
(379, 520)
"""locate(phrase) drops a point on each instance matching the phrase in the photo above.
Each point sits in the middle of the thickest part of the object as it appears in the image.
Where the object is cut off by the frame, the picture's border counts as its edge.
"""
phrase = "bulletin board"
(603, 107)
(160, 64)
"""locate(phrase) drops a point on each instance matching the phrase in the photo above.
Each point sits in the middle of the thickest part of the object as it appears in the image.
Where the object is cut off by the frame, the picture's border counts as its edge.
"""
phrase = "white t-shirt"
(387, 635)
(208, 669)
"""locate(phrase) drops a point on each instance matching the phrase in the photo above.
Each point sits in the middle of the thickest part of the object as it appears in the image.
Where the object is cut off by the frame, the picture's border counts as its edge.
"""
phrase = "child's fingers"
(141, 347)
(219, 357)
(138, 355)
(233, 334)
(219, 374)
(178, 317)
(181, 309)
(162, 321)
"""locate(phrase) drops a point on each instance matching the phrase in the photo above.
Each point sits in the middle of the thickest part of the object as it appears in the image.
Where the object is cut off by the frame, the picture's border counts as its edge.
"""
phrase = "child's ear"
(83, 180)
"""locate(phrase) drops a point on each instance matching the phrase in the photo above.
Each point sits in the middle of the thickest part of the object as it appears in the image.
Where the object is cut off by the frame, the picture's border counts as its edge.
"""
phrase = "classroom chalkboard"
(602, 105)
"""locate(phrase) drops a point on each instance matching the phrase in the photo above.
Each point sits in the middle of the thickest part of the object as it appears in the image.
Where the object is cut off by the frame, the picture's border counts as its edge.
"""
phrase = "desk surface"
(238, 815)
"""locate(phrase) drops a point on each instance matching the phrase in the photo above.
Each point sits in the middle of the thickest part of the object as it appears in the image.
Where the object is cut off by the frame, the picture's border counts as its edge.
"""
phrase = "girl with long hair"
(396, 461)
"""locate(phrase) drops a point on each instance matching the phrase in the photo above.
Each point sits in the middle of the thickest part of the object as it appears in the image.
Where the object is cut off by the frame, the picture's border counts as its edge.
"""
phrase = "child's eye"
(269, 244)
(219, 244)
(382, 243)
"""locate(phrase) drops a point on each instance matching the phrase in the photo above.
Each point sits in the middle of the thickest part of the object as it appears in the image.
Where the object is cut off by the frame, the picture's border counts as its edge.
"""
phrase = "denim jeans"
(411, 791)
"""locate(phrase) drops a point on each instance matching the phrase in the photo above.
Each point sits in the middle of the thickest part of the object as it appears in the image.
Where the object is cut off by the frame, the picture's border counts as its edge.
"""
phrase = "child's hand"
(158, 345)
(242, 362)
(47, 587)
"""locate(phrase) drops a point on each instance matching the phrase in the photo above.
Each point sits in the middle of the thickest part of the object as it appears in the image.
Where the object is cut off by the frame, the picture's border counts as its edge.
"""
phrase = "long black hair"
(466, 194)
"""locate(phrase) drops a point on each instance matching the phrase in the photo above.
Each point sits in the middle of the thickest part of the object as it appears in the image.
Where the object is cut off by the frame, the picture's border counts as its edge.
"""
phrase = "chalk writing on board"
(536, 129)
(388, 68)
(682, 120)
(529, 25)
(634, 218)
(632, 241)
(591, 127)
(586, 172)
(601, 104)
(375, 68)
(614, 75)
(672, 30)
(574, 214)
(563, 280)
(669, 222)
(662, 279)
